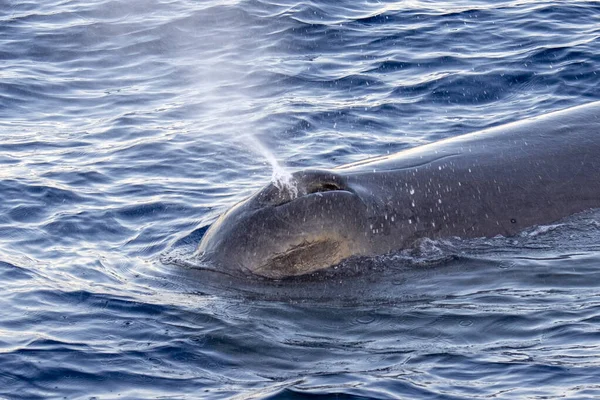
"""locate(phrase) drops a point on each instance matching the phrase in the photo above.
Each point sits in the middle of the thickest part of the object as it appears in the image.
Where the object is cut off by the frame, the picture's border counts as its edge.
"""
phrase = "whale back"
(543, 135)
(497, 181)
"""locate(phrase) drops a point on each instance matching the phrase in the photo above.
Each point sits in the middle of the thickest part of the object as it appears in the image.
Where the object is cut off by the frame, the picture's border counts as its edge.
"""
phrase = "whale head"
(281, 232)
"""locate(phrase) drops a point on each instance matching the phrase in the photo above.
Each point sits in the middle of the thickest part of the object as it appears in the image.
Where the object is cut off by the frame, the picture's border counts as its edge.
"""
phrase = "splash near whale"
(497, 181)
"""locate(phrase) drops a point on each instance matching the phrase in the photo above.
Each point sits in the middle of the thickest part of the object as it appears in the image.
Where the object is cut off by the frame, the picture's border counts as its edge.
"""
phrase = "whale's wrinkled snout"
(282, 231)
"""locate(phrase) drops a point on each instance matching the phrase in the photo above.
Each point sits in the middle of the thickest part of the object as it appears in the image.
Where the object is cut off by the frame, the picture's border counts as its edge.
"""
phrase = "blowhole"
(323, 187)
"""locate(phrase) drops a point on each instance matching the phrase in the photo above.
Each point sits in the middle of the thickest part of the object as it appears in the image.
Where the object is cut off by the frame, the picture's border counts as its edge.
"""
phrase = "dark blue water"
(126, 127)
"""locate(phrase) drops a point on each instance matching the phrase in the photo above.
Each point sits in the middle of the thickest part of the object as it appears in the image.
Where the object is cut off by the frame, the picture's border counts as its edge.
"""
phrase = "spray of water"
(226, 69)
(281, 178)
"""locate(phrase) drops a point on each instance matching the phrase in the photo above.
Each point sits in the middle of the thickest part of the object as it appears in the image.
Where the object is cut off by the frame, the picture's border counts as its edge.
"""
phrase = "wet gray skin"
(498, 181)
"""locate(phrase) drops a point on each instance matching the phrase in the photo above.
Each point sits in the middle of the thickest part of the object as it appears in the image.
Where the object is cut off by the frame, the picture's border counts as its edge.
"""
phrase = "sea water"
(127, 127)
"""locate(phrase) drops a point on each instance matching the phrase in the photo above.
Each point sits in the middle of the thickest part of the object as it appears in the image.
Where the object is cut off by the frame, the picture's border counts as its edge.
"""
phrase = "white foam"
(281, 177)
(284, 181)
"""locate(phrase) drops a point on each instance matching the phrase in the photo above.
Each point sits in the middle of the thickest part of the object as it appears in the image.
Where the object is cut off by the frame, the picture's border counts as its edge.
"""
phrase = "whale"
(497, 181)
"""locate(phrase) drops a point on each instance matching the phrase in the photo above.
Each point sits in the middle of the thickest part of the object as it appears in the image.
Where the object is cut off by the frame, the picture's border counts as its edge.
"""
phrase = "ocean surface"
(128, 126)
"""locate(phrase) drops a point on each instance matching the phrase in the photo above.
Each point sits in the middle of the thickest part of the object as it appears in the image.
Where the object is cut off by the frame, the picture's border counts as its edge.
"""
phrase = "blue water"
(127, 127)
